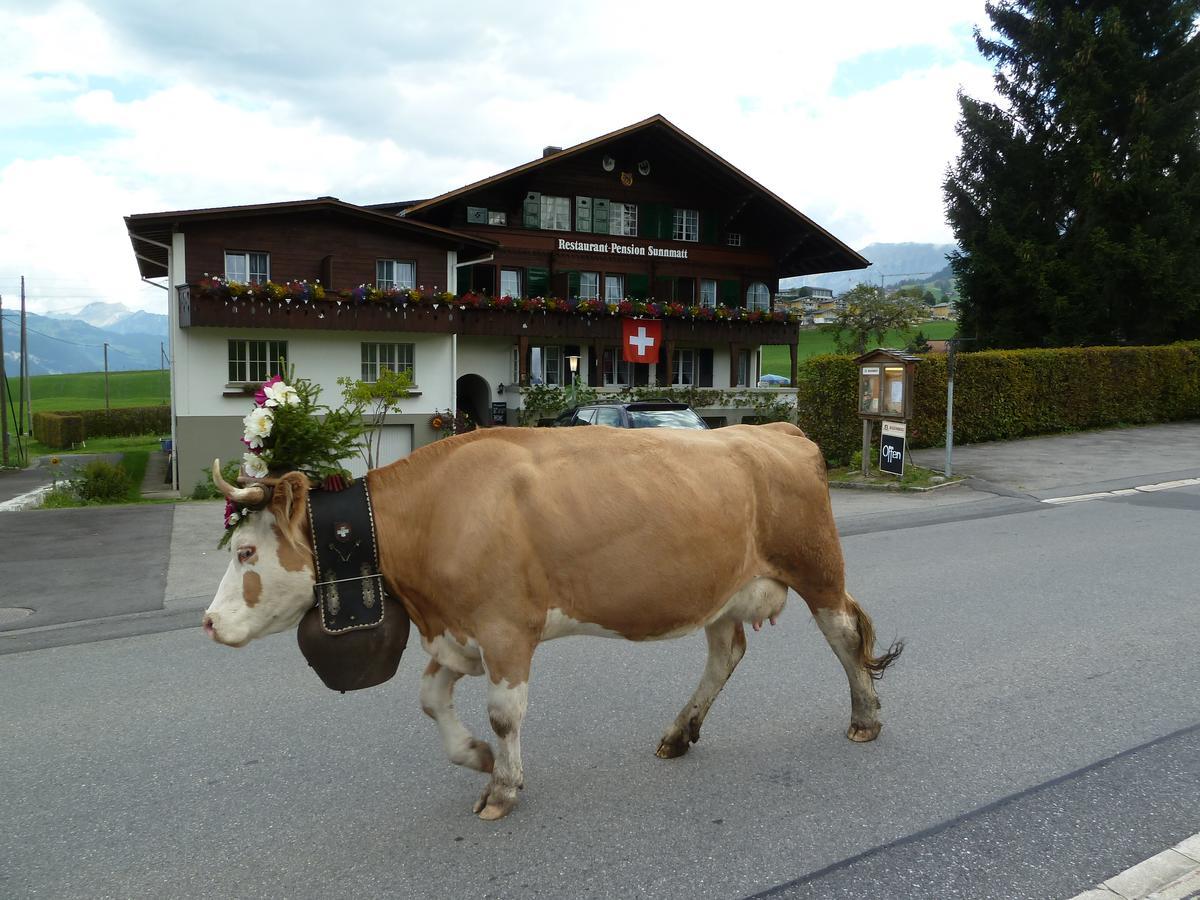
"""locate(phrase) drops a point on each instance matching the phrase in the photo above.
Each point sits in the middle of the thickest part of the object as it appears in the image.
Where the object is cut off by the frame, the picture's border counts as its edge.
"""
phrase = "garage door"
(395, 443)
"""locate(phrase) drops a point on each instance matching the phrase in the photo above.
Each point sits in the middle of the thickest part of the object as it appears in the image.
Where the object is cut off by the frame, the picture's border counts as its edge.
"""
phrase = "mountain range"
(897, 263)
(73, 340)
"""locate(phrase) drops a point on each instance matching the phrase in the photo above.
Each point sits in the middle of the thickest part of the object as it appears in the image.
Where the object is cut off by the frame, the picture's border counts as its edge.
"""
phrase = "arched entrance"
(475, 399)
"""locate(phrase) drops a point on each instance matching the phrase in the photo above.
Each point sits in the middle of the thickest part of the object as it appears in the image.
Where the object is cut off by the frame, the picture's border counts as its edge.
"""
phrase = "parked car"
(642, 414)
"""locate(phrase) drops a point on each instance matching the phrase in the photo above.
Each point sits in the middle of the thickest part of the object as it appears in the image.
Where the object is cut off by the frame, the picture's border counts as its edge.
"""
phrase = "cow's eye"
(245, 554)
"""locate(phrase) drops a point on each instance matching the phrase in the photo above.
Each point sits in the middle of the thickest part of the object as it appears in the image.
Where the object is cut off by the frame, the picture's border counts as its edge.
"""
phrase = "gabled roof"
(845, 255)
(150, 232)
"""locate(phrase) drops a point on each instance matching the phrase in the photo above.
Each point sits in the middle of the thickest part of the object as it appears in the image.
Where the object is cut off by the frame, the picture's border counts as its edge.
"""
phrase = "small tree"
(870, 311)
(374, 400)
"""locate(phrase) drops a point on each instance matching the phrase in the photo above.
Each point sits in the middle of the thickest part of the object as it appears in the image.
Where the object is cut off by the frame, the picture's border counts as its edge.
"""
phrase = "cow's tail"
(875, 665)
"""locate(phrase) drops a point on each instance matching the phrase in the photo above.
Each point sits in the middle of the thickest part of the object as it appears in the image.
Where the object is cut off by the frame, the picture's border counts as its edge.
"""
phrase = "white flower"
(280, 394)
(234, 518)
(258, 426)
(253, 465)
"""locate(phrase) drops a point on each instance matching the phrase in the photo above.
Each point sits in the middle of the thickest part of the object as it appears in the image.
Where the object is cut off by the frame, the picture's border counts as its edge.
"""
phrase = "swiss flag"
(641, 339)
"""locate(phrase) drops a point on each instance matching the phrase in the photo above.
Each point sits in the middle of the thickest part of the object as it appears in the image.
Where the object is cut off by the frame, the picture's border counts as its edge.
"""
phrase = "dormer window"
(734, 239)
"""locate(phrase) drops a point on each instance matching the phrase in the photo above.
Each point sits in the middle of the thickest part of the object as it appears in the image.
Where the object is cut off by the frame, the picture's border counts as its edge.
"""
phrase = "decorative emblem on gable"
(627, 179)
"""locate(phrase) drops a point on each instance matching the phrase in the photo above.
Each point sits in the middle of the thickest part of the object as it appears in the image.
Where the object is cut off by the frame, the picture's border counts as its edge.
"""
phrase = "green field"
(85, 390)
(776, 359)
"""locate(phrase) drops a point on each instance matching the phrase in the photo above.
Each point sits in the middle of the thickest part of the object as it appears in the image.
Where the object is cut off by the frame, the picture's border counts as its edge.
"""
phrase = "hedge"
(58, 430)
(1006, 394)
(128, 422)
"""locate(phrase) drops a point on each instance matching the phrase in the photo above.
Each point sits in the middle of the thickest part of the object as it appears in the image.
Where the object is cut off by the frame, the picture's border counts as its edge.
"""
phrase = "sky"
(112, 107)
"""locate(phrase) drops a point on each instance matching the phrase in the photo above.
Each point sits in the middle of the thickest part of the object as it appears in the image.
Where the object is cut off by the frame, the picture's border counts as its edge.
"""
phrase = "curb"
(1171, 875)
(895, 488)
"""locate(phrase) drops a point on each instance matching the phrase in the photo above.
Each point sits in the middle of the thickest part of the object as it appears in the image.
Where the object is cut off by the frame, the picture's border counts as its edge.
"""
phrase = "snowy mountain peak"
(97, 314)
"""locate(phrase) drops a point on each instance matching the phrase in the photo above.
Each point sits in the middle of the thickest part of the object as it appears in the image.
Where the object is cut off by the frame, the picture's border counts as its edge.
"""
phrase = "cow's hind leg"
(852, 636)
(726, 647)
(437, 702)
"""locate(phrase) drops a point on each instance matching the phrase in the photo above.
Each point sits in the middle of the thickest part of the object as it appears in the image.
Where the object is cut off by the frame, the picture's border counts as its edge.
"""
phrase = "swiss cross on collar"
(343, 531)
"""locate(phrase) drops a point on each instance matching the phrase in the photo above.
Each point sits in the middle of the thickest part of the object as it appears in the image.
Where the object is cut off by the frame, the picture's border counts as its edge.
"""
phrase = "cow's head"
(269, 583)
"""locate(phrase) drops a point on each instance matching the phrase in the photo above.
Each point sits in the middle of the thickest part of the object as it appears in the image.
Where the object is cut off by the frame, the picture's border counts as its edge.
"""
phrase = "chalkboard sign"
(891, 447)
(500, 413)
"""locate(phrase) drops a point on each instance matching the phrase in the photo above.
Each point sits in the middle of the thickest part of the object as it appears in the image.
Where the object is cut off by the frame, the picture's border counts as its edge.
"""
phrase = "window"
(546, 365)
(687, 225)
(616, 370)
(589, 285)
(247, 267)
(708, 292)
(743, 378)
(608, 415)
(734, 239)
(684, 368)
(758, 297)
(623, 219)
(497, 218)
(395, 274)
(614, 288)
(556, 213)
(256, 360)
(396, 357)
(510, 283)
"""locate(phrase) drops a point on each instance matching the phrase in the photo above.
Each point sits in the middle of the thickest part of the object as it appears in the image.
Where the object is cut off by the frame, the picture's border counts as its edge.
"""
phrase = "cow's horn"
(251, 495)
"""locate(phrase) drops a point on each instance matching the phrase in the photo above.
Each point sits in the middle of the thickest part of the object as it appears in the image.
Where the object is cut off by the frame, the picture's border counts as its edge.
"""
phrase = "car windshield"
(665, 418)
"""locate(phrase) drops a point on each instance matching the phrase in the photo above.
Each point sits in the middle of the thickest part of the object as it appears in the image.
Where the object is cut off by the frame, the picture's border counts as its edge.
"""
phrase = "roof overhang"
(150, 233)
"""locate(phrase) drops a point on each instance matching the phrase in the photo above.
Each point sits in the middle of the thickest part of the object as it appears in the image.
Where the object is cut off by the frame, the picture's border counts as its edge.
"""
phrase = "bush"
(206, 490)
(61, 431)
(102, 482)
(129, 422)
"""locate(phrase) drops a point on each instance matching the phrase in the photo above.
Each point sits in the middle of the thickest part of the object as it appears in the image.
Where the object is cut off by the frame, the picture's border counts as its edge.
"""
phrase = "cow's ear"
(289, 501)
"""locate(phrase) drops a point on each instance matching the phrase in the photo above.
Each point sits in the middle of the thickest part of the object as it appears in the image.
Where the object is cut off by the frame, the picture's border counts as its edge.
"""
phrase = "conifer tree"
(1076, 199)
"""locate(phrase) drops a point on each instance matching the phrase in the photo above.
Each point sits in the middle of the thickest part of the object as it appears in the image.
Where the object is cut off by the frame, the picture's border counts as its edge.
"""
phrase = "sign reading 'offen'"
(891, 447)
(620, 249)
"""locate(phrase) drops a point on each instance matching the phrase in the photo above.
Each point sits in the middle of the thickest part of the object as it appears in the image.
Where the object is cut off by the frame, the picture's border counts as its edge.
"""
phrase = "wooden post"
(3, 394)
(794, 349)
(23, 403)
(866, 447)
(106, 376)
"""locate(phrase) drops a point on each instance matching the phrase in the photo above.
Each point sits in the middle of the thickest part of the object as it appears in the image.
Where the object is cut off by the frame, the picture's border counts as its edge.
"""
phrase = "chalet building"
(487, 291)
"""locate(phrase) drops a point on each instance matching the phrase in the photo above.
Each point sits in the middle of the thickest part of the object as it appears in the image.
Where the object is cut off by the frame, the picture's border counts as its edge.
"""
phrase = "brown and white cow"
(498, 540)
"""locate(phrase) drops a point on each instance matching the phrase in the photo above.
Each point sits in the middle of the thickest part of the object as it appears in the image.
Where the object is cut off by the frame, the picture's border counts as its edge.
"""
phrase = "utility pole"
(106, 376)
(162, 369)
(951, 344)
(3, 393)
(25, 403)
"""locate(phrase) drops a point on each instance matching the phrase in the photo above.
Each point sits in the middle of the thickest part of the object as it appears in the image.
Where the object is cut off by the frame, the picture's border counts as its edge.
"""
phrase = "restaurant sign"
(620, 249)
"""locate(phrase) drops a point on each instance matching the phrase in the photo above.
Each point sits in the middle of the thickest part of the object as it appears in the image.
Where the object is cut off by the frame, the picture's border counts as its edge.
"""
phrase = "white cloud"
(148, 110)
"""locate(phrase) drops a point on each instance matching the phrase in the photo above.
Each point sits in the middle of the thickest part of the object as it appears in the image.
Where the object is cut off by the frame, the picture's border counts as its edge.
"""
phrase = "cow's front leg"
(437, 702)
(508, 693)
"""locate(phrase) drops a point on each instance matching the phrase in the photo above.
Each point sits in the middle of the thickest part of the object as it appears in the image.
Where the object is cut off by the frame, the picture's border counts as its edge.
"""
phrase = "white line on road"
(1125, 492)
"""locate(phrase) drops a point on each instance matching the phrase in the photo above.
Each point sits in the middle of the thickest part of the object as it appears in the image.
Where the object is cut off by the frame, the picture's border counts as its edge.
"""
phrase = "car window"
(584, 416)
(608, 415)
(665, 418)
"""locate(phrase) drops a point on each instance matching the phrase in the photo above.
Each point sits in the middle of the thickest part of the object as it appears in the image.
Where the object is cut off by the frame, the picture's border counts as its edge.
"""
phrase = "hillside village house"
(486, 290)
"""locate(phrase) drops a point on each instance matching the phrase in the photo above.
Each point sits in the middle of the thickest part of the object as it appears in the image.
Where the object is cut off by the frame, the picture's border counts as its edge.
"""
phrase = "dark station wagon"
(642, 414)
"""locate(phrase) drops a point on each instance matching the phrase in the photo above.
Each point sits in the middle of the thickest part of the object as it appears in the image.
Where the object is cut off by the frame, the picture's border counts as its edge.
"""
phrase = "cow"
(499, 539)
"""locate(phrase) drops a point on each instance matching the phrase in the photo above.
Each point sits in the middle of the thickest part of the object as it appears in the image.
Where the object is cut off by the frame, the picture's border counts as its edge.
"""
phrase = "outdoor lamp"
(500, 388)
(573, 361)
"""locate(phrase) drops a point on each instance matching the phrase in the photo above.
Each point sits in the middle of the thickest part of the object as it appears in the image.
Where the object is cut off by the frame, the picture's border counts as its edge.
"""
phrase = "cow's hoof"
(863, 733)
(673, 745)
(496, 802)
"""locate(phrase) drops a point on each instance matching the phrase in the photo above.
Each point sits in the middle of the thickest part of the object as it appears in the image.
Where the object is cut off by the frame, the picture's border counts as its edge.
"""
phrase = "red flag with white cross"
(641, 339)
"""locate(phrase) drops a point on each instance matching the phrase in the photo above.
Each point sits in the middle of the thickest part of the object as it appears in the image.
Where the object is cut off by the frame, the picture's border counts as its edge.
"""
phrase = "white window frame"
(708, 292)
(623, 219)
(497, 217)
(398, 357)
(589, 285)
(389, 274)
(251, 361)
(687, 225)
(685, 362)
(758, 299)
(555, 213)
(249, 262)
(734, 239)
(517, 278)
(546, 365)
(614, 288)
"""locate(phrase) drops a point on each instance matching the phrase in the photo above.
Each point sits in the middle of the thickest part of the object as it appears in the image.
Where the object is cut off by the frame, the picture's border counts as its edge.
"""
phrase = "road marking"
(1171, 875)
(1125, 492)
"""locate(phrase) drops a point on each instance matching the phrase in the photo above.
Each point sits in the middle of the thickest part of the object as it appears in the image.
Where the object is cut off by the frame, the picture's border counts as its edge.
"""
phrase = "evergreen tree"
(1076, 201)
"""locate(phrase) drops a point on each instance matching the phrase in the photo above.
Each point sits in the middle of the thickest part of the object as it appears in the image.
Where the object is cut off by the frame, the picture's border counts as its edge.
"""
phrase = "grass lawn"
(85, 390)
(814, 342)
(143, 443)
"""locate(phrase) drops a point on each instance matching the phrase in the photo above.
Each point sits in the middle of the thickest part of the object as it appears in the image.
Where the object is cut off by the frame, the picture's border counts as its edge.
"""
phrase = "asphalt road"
(1040, 734)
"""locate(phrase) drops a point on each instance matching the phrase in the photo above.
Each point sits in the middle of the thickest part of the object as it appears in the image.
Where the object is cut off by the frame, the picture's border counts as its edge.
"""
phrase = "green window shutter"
(532, 217)
(537, 282)
(600, 216)
(708, 227)
(666, 221)
(648, 220)
(572, 284)
(583, 213)
(464, 278)
(664, 288)
(637, 286)
(729, 293)
(705, 358)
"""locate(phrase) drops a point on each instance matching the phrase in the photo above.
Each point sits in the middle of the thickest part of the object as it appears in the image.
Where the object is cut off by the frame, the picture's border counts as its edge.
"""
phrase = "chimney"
(550, 150)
